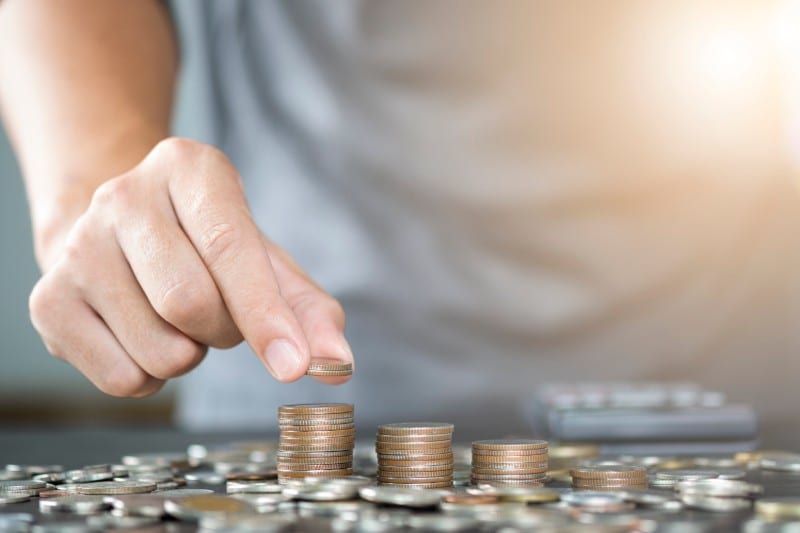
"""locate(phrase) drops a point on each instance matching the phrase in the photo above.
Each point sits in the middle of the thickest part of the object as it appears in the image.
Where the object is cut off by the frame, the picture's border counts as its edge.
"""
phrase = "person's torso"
(502, 194)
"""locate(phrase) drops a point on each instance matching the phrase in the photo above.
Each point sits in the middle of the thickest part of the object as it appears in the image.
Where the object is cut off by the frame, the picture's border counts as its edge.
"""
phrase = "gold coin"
(213, 503)
(509, 444)
(529, 495)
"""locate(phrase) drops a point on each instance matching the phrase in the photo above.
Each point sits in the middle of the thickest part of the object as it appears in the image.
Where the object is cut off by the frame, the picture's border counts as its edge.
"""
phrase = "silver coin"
(116, 487)
(686, 475)
(87, 476)
(21, 485)
(726, 488)
(309, 509)
(138, 504)
(74, 504)
(320, 492)
(253, 487)
(50, 477)
(60, 527)
(13, 498)
(6, 475)
(439, 522)
(348, 481)
(715, 504)
(32, 470)
(405, 497)
(178, 493)
(781, 463)
(592, 498)
(206, 477)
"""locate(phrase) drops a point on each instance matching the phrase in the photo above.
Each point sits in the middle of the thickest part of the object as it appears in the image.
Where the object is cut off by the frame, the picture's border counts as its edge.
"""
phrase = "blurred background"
(36, 388)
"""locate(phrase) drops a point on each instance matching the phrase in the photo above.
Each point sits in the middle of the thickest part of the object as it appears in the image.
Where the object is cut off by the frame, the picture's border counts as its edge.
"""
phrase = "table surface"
(73, 448)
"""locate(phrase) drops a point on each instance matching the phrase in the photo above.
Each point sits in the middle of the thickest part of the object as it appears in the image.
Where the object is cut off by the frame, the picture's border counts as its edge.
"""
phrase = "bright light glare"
(725, 58)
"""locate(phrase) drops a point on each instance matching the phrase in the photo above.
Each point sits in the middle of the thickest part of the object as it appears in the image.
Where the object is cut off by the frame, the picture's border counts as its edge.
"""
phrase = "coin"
(81, 505)
(412, 428)
(194, 508)
(602, 472)
(315, 408)
(509, 444)
(320, 366)
(470, 499)
(405, 497)
(433, 461)
(728, 488)
(115, 487)
(527, 495)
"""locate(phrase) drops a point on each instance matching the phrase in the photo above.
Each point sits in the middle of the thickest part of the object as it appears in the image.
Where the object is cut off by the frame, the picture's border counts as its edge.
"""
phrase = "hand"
(166, 261)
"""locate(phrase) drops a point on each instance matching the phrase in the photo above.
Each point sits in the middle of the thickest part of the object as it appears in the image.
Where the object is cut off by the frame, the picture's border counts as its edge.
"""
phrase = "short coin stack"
(315, 440)
(509, 462)
(415, 454)
(609, 477)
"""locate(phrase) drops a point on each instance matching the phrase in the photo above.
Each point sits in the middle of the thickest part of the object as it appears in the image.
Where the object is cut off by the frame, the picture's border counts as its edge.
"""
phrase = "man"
(498, 194)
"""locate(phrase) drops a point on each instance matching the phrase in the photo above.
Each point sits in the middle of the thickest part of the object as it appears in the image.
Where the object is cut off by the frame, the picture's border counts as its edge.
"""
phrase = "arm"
(85, 90)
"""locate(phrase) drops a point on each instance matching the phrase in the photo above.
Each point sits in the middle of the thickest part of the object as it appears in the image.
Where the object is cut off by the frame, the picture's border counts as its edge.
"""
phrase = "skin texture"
(148, 249)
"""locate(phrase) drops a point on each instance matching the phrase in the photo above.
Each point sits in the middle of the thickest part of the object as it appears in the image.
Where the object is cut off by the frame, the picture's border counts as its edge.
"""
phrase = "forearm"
(85, 91)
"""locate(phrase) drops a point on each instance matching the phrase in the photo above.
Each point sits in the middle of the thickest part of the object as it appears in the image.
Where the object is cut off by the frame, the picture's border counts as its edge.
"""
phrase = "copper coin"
(416, 468)
(470, 499)
(415, 437)
(507, 471)
(414, 480)
(414, 455)
(508, 464)
(600, 472)
(423, 428)
(263, 475)
(511, 477)
(283, 468)
(409, 448)
(320, 446)
(508, 483)
(445, 485)
(509, 444)
(415, 462)
(334, 459)
(322, 366)
(316, 472)
(289, 433)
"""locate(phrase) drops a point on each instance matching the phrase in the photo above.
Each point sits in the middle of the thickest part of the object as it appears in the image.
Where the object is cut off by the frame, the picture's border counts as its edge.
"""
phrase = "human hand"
(167, 261)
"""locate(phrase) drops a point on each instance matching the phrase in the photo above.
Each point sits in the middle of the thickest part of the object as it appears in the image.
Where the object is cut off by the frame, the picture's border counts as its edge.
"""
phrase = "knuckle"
(217, 241)
(123, 384)
(115, 194)
(179, 357)
(181, 304)
(40, 305)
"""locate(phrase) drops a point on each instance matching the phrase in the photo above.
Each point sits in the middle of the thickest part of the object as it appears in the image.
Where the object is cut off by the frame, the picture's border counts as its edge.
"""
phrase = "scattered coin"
(193, 508)
(74, 504)
(783, 508)
(405, 497)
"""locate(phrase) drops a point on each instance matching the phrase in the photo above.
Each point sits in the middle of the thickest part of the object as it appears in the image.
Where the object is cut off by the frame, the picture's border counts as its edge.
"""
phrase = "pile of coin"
(315, 440)
(321, 366)
(415, 454)
(509, 462)
(609, 477)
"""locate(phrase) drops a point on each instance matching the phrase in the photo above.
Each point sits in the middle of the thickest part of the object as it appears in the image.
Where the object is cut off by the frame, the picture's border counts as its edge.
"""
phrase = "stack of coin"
(609, 477)
(509, 462)
(415, 454)
(315, 440)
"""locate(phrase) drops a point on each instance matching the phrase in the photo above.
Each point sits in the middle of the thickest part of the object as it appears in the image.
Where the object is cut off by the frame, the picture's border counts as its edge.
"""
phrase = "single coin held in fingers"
(321, 366)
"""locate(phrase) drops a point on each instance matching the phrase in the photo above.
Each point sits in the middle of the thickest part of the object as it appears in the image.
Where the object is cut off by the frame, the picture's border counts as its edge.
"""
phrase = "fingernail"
(282, 358)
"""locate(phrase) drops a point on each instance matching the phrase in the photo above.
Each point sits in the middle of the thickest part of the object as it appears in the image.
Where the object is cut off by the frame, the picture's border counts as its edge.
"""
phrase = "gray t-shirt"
(502, 194)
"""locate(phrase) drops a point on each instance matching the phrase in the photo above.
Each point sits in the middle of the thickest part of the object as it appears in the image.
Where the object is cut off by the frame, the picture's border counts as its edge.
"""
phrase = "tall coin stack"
(316, 439)
(509, 462)
(609, 477)
(415, 454)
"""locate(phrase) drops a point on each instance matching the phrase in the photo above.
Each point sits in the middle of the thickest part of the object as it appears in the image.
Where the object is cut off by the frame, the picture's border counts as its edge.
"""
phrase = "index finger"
(210, 204)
